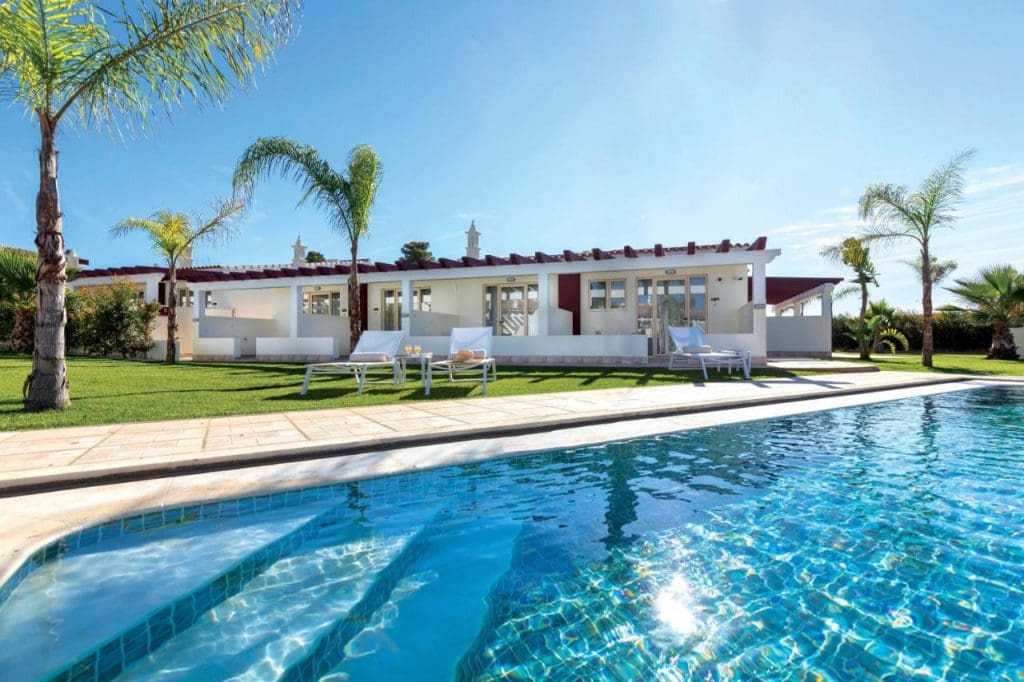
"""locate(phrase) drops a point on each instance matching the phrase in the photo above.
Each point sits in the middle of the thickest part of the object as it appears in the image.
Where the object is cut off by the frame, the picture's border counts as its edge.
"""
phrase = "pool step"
(329, 648)
(446, 593)
(257, 633)
(117, 653)
(93, 593)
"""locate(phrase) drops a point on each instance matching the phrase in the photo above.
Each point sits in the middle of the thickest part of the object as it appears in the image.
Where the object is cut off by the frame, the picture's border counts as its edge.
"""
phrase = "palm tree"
(939, 269)
(884, 336)
(17, 285)
(895, 214)
(854, 254)
(995, 297)
(71, 62)
(346, 196)
(173, 235)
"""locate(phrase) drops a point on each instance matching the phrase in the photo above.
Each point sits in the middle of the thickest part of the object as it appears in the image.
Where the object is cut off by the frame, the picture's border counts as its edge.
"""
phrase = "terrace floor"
(71, 457)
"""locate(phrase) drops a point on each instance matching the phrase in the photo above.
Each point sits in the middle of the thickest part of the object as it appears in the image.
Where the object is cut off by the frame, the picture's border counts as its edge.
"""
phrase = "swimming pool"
(860, 543)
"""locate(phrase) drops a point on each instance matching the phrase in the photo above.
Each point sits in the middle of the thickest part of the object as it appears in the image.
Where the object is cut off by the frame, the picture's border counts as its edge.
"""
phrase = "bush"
(111, 319)
(952, 332)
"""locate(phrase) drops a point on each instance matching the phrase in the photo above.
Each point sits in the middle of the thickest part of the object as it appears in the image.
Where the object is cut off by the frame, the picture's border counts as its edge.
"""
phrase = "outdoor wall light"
(510, 279)
(715, 299)
(670, 272)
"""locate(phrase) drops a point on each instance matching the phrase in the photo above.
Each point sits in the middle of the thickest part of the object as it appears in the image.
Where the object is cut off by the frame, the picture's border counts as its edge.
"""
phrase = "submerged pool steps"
(457, 572)
(329, 649)
(112, 657)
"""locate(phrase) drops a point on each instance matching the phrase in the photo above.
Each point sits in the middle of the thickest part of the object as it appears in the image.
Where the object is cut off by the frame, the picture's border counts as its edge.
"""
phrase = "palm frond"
(301, 163)
(941, 192)
(69, 60)
(364, 176)
(17, 273)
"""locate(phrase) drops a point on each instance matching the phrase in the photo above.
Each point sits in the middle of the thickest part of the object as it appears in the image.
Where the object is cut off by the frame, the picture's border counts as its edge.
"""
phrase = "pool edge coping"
(142, 471)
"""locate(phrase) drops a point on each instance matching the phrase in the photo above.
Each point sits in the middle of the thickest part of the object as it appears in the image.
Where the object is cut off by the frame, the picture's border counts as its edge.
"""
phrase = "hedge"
(951, 332)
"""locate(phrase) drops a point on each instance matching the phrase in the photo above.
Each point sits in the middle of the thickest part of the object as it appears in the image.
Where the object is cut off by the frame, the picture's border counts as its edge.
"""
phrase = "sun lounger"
(469, 350)
(374, 350)
(691, 347)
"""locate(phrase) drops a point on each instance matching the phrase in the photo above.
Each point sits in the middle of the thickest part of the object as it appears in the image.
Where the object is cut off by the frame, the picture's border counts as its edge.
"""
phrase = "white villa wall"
(309, 348)
(432, 324)
(245, 330)
(801, 335)
(254, 304)
(553, 347)
(1018, 339)
(333, 326)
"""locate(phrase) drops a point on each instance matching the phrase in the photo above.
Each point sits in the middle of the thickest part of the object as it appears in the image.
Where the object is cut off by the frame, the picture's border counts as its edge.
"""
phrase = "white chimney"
(71, 258)
(472, 241)
(186, 258)
(298, 252)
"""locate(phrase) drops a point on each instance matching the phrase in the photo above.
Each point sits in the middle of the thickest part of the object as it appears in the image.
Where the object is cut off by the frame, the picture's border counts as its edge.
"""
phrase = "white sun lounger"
(465, 340)
(692, 347)
(374, 350)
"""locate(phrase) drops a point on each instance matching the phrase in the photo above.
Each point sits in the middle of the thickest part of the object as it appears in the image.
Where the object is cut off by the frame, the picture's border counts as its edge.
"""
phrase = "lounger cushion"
(369, 357)
(696, 349)
(463, 355)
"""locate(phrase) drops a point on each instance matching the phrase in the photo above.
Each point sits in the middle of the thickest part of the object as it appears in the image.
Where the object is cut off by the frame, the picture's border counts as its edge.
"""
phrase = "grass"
(957, 363)
(111, 391)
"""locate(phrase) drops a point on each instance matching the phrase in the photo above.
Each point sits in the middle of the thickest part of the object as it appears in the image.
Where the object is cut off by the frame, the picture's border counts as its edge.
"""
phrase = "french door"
(510, 309)
(664, 303)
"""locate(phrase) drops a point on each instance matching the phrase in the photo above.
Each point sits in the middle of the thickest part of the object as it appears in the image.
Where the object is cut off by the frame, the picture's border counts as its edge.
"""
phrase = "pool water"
(875, 542)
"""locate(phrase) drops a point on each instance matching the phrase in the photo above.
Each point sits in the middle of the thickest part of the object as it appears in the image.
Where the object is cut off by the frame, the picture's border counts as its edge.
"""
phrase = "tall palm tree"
(346, 196)
(895, 214)
(72, 62)
(173, 235)
(854, 254)
(995, 297)
(939, 270)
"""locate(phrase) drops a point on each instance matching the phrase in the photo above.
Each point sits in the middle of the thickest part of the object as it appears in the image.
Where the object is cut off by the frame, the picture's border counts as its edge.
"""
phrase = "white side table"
(424, 360)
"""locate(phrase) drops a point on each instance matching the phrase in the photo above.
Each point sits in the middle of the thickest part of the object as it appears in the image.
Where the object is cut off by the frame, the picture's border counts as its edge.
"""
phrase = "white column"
(826, 302)
(405, 315)
(296, 311)
(153, 290)
(543, 303)
(200, 311)
(757, 275)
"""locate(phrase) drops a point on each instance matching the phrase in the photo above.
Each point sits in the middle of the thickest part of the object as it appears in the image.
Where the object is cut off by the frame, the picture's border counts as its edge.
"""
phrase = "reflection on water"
(862, 543)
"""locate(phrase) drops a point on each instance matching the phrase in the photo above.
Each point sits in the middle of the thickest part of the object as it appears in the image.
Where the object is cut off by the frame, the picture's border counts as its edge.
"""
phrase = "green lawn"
(109, 391)
(954, 363)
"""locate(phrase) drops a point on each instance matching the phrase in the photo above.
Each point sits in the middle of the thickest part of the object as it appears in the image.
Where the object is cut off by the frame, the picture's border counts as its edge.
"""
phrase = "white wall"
(255, 304)
(333, 326)
(606, 345)
(424, 323)
(811, 335)
(1018, 339)
(244, 329)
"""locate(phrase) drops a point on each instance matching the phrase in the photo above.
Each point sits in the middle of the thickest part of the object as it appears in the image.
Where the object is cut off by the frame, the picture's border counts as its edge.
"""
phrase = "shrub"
(952, 332)
(111, 319)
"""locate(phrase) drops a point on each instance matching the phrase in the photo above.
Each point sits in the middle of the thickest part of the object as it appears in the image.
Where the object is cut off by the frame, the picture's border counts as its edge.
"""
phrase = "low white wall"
(219, 348)
(245, 329)
(159, 350)
(281, 347)
(428, 323)
(1018, 339)
(593, 345)
(807, 334)
(334, 326)
(559, 322)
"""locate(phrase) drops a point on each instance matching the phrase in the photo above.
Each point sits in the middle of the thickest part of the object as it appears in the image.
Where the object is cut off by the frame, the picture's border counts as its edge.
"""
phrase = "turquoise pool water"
(877, 542)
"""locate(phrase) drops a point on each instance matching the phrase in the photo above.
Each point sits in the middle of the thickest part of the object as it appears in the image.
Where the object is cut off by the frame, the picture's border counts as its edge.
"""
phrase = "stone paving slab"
(32, 461)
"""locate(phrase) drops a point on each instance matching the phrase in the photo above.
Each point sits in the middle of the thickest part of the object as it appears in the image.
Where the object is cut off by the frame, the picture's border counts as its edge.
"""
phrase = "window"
(608, 294)
(186, 297)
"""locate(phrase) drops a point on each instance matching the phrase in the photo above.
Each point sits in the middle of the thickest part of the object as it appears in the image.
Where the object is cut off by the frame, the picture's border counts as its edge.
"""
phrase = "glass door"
(391, 310)
(508, 309)
(664, 303)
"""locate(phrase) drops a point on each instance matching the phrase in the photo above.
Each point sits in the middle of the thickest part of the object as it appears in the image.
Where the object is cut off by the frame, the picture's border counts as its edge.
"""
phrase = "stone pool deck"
(52, 459)
(149, 467)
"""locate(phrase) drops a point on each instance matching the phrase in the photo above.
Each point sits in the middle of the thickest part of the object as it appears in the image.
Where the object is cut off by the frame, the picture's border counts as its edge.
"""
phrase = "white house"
(607, 306)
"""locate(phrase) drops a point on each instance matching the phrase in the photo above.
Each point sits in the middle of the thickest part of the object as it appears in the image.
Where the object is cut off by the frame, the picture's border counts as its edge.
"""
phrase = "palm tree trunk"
(355, 327)
(926, 306)
(48, 383)
(172, 315)
(865, 350)
(1003, 346)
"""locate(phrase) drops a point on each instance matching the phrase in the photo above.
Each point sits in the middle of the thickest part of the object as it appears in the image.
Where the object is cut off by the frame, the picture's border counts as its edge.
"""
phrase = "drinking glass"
(408, 350)
(417, 350)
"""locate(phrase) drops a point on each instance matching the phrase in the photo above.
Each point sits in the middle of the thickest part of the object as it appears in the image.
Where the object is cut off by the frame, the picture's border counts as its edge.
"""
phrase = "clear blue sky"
(581, 124)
